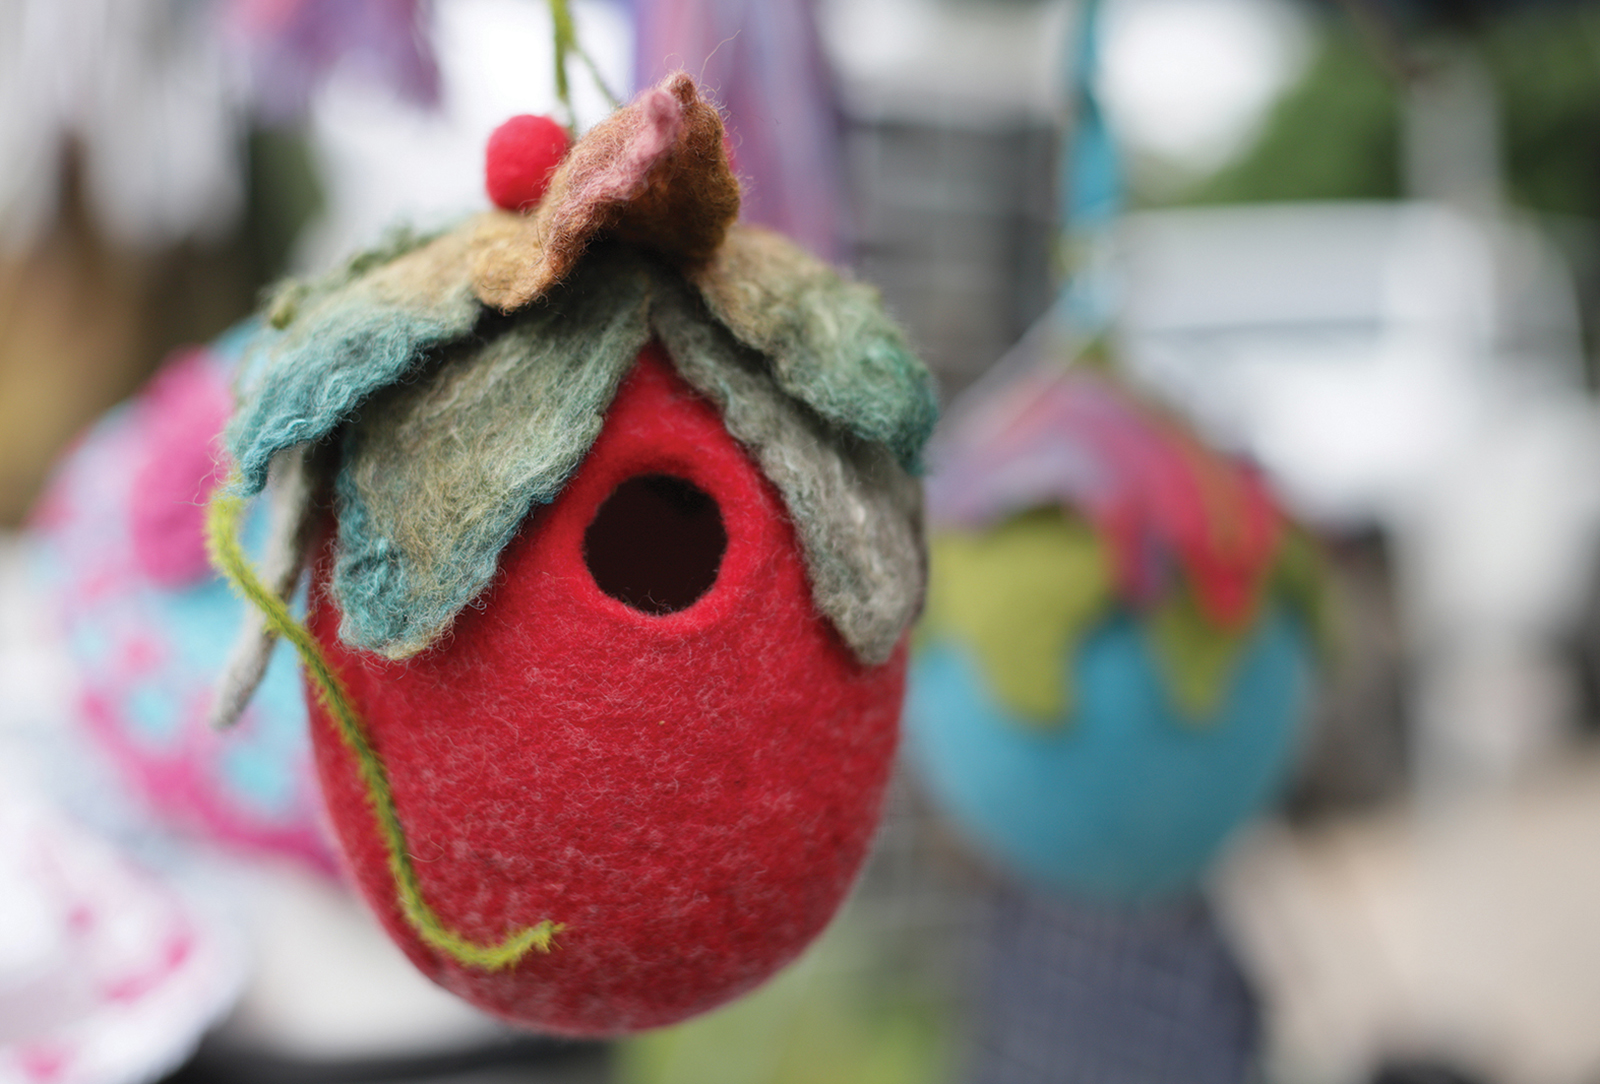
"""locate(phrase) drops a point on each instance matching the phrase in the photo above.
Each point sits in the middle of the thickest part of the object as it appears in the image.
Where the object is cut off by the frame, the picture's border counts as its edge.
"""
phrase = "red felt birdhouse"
(614, 541)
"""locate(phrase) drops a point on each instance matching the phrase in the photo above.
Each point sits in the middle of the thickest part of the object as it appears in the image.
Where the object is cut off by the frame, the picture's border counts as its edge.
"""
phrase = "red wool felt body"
(689, 794)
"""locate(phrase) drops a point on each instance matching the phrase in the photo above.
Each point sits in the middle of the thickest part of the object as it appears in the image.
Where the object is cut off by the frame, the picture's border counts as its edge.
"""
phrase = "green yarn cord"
(223, 518)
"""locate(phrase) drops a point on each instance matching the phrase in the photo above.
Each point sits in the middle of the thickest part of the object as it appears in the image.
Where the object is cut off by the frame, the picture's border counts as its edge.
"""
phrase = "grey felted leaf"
(856, 510)
(439, 472)
(292, 497)
(345, 337)
(830, 343)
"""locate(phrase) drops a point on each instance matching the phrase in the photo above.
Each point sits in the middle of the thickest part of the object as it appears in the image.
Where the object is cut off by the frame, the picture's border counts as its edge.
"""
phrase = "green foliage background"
(1336, 133)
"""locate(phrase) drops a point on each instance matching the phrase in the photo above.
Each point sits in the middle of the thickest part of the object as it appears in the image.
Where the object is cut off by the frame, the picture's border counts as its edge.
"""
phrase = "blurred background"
(1356, 243)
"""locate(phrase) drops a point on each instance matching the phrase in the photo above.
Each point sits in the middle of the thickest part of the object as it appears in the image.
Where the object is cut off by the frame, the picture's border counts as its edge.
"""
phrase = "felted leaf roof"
(1062, 495)
(469, 375)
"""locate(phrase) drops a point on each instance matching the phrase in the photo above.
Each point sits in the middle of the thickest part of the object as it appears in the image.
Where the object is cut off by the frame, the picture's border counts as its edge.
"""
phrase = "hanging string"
(565, 35)
(1091, 194)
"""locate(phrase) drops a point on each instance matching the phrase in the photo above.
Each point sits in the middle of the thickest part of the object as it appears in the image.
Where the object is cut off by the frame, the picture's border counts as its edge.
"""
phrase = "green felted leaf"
(1300, 578)
(291, 296)
(440, 471)
(829, 341)
(342, 339)
(1022, 596)
(1197, 658)
(856, 511)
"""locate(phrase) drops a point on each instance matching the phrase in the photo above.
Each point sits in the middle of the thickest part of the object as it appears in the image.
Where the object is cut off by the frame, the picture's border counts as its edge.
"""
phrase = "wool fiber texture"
(291, 295)
(440, 472)
(653, 174)
(690, 835)
(522, 154)
(537, 430)
(360, 332)
(830, 343)
(857, 513)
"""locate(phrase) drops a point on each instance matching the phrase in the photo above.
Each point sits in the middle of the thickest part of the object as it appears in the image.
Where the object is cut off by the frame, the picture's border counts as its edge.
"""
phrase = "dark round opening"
(656, 543)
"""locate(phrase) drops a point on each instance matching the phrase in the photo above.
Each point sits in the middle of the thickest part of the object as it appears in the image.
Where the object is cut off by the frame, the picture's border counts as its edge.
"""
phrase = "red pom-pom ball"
(690, 793)
(522, 154)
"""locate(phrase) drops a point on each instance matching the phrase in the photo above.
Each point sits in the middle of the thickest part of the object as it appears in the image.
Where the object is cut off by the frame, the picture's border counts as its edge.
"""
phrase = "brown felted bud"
(654, 174)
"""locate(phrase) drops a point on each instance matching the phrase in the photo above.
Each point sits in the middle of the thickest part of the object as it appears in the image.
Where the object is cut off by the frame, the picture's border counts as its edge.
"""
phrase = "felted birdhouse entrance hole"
(615, 539)
(656, 543)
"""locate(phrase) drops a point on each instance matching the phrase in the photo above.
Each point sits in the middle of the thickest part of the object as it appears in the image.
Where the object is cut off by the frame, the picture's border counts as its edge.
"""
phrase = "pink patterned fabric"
(120, 558)
(107, 974)
(181, 412)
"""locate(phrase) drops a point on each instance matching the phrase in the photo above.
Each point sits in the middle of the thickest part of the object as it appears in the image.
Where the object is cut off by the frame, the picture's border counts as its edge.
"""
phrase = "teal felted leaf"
(292, 296)
(830, 343)
(357, 331)
(856, 510)
(439, 472)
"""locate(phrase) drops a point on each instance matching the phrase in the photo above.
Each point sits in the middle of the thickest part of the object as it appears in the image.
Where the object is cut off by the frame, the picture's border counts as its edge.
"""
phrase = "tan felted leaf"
(654, 174)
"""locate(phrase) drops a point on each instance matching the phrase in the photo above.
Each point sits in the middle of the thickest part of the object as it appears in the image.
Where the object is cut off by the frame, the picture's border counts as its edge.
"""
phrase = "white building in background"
(1415, 369)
